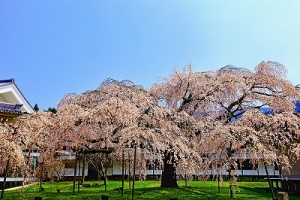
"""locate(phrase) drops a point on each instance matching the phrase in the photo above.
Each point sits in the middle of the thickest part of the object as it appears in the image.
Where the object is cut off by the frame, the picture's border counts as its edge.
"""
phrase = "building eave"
(9, 85)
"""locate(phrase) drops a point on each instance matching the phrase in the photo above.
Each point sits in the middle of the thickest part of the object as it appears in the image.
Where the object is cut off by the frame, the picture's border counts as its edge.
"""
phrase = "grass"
(146, 190)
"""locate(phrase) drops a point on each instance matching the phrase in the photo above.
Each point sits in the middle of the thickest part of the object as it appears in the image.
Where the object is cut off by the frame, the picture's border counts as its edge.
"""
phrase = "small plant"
(58, 190)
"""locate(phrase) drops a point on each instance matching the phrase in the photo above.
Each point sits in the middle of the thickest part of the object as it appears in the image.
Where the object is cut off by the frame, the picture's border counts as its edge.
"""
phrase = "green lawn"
(145, 190)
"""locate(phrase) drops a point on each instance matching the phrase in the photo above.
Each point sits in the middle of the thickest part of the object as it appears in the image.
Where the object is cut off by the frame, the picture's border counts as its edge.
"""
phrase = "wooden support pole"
(134, 166)
(78, 180)
(219, 169)
(230, 184)
(5, 176)
(105, 175)
(153, 172)
(129, 171)
(123, 168)
(41, 175)
(269, 181)
(219, 190)
(83, 168)
(75, 166)
(242, 172)
(185, 179)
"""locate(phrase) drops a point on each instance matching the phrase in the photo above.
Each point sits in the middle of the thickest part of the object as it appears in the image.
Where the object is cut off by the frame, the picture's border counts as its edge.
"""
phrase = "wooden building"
(12, 101)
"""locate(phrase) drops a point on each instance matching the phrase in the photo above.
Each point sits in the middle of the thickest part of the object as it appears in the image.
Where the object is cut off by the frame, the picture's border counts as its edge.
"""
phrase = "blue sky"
(54, 47)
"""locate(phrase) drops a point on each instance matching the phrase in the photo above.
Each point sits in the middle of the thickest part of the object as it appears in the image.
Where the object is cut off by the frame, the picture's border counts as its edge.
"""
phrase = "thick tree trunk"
(168, 178)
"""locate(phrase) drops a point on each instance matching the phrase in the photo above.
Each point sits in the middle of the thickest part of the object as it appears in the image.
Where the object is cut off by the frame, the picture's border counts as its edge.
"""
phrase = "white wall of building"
(117, 171)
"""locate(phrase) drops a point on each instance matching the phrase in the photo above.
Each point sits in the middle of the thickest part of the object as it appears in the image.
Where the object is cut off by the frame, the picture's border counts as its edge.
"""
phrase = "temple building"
(12, 104)
(12, 101)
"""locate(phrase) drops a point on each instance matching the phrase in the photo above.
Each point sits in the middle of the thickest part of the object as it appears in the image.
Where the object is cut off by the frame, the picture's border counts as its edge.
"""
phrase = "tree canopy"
(122, 115)
(227, 102)
(187, 123)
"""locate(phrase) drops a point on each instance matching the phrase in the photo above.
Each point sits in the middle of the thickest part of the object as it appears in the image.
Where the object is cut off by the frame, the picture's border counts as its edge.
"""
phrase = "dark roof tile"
(10, 108)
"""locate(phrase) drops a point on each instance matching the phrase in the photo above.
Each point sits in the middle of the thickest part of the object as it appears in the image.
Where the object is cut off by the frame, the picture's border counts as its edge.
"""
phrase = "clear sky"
(54, 47)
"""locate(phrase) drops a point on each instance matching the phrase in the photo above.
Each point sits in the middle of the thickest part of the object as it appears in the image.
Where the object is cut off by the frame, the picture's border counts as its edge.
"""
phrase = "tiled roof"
(10, 108)
(7, 81)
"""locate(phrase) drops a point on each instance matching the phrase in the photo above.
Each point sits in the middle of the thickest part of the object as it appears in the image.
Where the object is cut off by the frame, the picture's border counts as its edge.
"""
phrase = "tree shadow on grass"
(257, 193)
(145, 192)
(263, 192)
(192, 193)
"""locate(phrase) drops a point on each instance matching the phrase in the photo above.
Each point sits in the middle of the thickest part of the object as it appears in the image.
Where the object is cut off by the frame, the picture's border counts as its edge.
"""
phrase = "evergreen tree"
(36, 107)
(52, 109)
